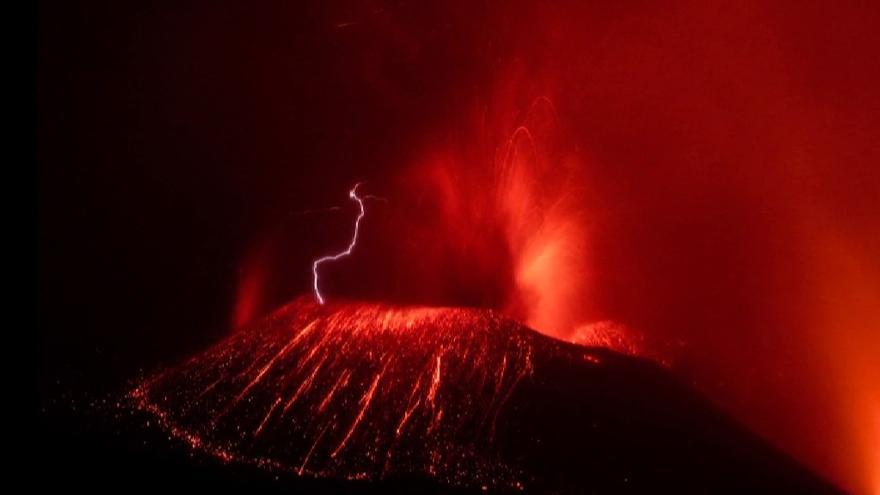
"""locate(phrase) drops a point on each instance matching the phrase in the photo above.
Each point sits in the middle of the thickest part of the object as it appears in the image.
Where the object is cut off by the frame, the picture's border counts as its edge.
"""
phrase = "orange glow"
(609, 335)
(848, 303)
(358, 383)
(510, 205)
(545, 232)
(714, 199)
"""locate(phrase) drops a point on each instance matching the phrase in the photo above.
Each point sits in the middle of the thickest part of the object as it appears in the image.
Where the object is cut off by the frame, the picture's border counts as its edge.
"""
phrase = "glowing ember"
(354, 196)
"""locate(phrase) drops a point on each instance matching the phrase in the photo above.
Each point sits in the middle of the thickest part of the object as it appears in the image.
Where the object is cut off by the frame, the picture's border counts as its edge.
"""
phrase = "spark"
(406, 416)
(312, 450)
(342, 382)
(435, 383)
(274, 358)
(360, 201)
(268, 415)
(302, 387)
(365, 403)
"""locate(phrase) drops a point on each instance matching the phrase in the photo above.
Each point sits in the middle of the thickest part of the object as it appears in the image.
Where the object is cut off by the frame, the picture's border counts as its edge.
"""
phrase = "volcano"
(463, 398)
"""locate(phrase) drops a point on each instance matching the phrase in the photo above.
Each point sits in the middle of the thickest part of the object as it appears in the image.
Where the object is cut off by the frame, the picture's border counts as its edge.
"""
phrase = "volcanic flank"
(463, 397)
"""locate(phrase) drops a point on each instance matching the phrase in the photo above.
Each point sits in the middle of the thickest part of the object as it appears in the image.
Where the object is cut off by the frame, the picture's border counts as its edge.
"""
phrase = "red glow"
(251, 286)
(695, 183)
(378, 378)
(500, 215)
(464, 397)
(703, 178)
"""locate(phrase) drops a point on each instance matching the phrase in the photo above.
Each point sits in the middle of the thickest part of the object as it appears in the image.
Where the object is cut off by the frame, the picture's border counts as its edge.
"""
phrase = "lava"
(496, 217)
(463, 397)
(354, 391)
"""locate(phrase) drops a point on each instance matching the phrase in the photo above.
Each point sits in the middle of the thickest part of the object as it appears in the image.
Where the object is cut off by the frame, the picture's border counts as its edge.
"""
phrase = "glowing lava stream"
(360, 201)
(355, 391)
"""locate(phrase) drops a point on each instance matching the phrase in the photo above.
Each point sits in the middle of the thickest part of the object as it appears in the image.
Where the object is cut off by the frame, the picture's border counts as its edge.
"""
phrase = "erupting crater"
(463, 397)
(352, 390)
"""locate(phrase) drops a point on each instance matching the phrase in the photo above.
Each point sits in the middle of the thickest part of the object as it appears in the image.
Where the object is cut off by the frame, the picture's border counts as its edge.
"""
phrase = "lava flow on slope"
(463, 397)
(353, 391)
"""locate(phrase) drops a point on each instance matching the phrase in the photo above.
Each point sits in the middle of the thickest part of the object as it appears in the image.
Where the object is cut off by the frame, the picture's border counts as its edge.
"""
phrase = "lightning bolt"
(360, 201)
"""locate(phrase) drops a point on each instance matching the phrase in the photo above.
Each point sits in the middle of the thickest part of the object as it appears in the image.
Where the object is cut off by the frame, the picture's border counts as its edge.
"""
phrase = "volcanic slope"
(462, 397)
